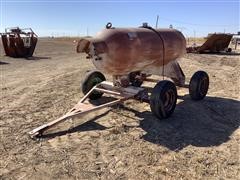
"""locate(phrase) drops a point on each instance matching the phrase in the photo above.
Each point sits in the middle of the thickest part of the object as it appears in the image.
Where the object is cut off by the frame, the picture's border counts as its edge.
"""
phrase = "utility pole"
(157, 21)
(87, 31)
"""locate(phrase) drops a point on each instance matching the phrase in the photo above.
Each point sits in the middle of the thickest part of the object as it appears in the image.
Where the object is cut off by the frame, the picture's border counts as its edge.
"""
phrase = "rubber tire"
(229, 50)
(91, 79)
(197, 90)
(132, 78)
(157, 99)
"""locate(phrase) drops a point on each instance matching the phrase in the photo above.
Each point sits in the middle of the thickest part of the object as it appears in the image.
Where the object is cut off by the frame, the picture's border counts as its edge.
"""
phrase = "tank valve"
(109, 25)
(145, 25)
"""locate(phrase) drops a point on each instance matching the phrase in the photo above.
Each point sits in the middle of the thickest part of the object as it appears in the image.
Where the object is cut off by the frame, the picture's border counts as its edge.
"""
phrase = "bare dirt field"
(199, 141)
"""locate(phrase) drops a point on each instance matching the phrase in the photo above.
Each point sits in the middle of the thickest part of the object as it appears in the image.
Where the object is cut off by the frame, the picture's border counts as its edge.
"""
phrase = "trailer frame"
(83, 107)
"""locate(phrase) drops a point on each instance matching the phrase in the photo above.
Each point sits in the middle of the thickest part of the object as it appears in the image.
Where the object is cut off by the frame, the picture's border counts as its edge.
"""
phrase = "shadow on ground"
(222, 53)
(205, 123)
(38, 58)
(3, 63)
(88, 126)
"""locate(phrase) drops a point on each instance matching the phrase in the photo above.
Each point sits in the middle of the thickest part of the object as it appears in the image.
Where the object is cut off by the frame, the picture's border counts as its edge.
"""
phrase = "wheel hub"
(168, 100)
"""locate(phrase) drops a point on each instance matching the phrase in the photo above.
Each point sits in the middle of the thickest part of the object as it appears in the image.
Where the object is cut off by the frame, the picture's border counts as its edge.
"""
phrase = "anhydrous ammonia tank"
(119, 51)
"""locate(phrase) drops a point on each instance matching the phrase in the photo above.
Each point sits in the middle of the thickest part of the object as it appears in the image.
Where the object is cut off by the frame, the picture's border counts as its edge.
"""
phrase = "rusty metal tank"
(119, 51)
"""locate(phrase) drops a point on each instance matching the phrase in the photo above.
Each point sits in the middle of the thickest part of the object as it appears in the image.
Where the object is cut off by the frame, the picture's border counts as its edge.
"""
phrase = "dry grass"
(200, 141)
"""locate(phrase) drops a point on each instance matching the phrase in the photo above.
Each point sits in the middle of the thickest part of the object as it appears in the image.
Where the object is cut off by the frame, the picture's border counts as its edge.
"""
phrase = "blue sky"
(77, 17)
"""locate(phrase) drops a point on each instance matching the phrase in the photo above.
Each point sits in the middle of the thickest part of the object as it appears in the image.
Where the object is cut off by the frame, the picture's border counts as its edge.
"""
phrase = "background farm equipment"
(215, 43)
(19, 42)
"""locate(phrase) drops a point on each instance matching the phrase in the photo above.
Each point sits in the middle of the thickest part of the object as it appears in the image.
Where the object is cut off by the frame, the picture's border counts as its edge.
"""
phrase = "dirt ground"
(199, 141)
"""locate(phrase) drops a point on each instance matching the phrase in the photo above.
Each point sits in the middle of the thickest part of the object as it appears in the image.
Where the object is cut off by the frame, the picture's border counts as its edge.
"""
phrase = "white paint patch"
(132, 35)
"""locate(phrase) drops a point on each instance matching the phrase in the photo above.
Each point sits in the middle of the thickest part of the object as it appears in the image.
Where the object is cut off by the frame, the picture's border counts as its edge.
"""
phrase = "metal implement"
(82, 107)
(215, 43)
(19, 42)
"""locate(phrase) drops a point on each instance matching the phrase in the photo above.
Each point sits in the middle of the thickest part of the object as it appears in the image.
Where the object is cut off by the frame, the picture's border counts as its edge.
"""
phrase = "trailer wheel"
(163, 99)
(92, 78)
(229, 50)
(198, 86)
(137, 82)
